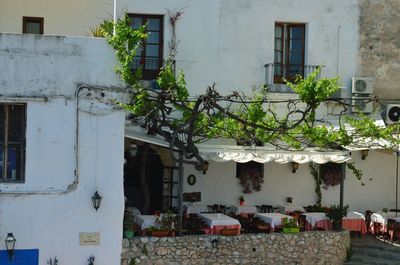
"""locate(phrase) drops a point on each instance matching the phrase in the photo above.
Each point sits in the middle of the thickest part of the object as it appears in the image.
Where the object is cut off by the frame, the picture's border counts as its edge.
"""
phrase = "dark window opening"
(12, 142)
(32, 25)
(149, 55)
(289, 51)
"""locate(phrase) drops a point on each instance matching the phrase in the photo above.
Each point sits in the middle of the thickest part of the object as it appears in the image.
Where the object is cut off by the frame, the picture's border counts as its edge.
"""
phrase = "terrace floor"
(371, 251)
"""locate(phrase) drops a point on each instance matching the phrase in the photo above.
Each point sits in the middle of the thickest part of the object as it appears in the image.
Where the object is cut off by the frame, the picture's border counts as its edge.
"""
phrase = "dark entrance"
(143, 180)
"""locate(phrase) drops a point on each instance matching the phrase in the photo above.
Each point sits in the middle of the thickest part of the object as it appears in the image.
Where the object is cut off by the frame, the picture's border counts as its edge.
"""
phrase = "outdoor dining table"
(218, 221)
(273, 219)
(243, 209)
(195, 208)
(317, 220)
(289, 208)
(143, 222)
(355, 221)
(381, 218)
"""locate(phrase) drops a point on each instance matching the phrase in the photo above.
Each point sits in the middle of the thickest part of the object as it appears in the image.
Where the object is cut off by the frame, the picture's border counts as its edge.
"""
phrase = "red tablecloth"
(357, 225)
(322, 224)
(216, 230)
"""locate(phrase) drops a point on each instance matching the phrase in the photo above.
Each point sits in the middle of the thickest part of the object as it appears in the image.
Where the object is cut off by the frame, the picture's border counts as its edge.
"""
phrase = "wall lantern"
(295, 166)
(96, 200)
(202, 167)
(364, 154)
(133, 149)
(214, 242)
(10, 245)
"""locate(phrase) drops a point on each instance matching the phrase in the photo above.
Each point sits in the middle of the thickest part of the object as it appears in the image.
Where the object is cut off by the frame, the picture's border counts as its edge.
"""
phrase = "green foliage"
(335, 213)
(313, 89)
(357, 172)
(314, 168)
(289, 222)
(101, 30)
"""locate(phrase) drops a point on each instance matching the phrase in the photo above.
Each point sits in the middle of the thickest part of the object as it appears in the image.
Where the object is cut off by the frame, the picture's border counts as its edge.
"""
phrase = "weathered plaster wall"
(229, 41)
(380, 45)
(304, 248)
(70, 18)
(52, 220)
(220, 185)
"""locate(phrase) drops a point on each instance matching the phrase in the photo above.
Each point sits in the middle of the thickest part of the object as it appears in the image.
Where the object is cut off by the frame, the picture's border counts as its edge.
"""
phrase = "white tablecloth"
(274, 219)
(313, 218)
(214, 219)
(195, 208)
(289, 208)
(238, 209)
(381, 217)
(146, 221)
(354, 215)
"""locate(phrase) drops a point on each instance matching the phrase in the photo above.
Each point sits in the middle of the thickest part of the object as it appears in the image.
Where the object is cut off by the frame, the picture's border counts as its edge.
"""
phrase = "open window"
(149, 56)
(289, 51)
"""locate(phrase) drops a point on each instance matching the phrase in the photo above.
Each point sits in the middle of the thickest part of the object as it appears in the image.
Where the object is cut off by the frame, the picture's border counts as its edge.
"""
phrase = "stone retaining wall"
(304, 248)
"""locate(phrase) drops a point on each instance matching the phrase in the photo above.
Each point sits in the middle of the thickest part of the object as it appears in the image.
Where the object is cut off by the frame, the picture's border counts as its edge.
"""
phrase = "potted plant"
(335, 213)
(241, 200)
(128, 226)
(165, 225)
(290, 225)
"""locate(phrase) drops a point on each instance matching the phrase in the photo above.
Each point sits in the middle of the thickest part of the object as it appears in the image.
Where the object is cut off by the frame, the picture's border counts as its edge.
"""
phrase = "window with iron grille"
(12, 142)
(149, 56)
(289, 51)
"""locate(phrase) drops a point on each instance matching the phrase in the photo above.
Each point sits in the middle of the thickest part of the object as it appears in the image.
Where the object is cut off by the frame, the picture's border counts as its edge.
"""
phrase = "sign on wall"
(89, 239)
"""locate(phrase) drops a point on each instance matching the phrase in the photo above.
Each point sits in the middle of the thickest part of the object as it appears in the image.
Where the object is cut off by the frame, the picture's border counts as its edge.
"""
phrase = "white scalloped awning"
(223, 153)
(240, 154)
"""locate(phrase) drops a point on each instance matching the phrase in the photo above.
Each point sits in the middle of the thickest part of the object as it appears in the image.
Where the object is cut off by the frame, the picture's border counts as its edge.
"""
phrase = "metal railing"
(276, 74)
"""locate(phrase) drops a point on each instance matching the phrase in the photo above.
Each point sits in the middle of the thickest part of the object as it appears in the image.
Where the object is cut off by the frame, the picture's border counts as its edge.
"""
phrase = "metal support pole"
(342, 187)
(180, 194)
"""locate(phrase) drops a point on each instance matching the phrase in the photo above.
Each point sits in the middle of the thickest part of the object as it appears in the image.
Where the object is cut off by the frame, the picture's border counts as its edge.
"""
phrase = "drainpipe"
(115, 16)
(180, 194)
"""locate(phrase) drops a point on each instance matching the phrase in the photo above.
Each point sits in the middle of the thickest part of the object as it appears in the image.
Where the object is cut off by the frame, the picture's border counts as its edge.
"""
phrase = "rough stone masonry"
(307, 248)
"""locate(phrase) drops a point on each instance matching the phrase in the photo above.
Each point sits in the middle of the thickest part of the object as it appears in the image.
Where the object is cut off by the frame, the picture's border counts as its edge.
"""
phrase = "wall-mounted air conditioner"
(362, 85)
(361, 105)
(393, 113)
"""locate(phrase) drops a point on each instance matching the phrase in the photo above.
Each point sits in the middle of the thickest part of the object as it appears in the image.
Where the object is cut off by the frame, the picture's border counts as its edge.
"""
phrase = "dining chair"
(302, 223)
(390, 229)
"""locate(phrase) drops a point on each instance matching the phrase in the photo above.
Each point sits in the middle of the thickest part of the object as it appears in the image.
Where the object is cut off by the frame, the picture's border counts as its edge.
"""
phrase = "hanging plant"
(331, 174)
(250, 176)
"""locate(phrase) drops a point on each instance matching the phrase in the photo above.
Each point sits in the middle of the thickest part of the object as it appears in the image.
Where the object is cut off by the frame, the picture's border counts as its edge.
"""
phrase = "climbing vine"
(184, 120)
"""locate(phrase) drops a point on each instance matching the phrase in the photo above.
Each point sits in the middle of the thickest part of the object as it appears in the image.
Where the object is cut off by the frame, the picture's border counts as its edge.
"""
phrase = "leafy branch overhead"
(184, 120)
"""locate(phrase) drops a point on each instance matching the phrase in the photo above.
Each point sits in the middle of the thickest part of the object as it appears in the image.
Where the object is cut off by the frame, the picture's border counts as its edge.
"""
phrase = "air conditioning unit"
(362, 85)
(393, 113)
(361, 105)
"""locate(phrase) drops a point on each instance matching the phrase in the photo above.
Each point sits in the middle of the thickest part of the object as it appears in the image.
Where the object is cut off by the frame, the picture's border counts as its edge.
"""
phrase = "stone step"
(377, 246)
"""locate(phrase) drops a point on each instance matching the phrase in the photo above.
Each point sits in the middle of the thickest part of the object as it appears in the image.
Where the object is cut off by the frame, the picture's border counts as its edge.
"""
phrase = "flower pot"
(290, 230)
(129, 234)
(160, 233)
(241, 203)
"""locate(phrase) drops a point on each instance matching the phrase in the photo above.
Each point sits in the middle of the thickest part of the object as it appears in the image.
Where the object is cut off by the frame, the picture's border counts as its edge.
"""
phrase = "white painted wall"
(229, 41)
(220, 185)
(36, 66)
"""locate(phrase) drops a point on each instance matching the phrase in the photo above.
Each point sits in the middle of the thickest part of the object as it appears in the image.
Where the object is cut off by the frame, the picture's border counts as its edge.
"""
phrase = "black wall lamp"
(10, 245)
(364, 154)
(96, 200)
(214, 242)
(295, 166)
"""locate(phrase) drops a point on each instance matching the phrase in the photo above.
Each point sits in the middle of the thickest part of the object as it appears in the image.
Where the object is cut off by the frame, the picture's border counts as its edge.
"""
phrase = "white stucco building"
(73, 141)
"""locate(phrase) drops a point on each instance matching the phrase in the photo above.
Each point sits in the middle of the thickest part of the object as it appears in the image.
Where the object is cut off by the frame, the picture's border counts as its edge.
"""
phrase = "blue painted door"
(20, 257)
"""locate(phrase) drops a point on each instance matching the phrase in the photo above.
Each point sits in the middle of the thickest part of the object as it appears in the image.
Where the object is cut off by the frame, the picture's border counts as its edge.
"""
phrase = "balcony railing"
(150, 66)
(276, 74)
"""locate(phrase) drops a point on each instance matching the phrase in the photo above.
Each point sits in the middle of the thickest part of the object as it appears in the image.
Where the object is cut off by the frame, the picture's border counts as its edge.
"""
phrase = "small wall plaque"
(89, 239)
